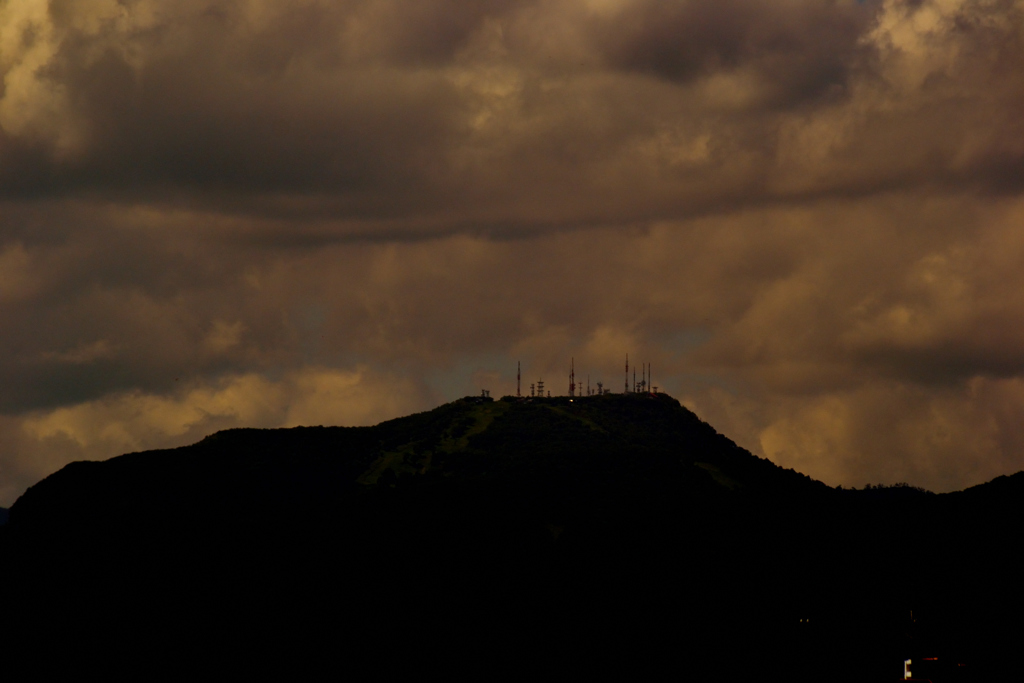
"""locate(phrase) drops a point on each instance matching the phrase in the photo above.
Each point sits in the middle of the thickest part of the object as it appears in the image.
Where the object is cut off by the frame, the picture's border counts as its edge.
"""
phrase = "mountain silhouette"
(602, 534)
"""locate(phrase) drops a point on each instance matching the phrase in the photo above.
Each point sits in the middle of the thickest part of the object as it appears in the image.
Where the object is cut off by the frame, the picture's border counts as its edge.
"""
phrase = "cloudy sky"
(808, 215)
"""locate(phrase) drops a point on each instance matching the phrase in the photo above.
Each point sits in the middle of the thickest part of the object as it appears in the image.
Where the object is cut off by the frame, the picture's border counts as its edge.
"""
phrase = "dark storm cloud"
(806, 214)
(488, 111)
(210, 100)
(801, 50)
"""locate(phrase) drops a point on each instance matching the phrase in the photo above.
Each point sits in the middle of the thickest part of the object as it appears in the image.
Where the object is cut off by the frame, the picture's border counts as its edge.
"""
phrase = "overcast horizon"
(807, 215)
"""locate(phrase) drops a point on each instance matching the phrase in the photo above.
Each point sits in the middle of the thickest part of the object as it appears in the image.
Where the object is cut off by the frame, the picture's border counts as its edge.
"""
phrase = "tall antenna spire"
(518, 376)
(626, 390)
(572, 377)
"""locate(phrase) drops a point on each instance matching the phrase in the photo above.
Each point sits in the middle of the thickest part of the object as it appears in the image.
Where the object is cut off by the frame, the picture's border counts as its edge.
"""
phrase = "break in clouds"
(807, 215)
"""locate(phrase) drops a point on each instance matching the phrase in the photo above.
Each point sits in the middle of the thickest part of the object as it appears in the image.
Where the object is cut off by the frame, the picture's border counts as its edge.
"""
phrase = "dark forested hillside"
(604, 532)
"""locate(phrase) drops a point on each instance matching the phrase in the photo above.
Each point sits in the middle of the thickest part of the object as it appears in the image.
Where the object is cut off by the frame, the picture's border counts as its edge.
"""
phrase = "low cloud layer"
(806, 215)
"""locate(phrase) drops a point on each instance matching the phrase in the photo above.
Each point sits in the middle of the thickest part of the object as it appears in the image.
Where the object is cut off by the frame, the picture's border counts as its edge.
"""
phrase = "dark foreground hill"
(613, 534)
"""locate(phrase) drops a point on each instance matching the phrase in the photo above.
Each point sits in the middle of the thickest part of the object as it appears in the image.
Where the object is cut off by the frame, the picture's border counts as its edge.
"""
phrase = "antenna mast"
(572, 377)
(518, 376)
(626, 389)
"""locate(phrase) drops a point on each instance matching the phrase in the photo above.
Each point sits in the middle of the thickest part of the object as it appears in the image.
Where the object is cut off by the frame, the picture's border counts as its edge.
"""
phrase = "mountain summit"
(595, 532)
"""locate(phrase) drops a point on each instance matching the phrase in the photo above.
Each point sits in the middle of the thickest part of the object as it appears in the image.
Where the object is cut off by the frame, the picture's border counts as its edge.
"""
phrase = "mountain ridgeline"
(560, 447)
(600, 532)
